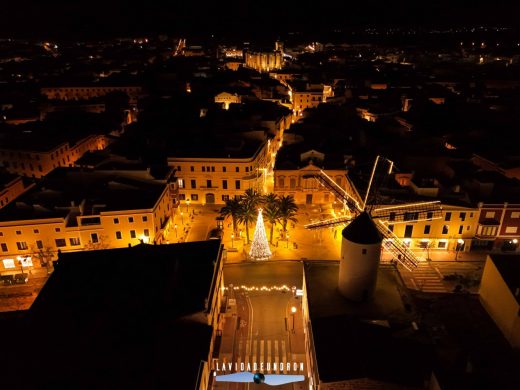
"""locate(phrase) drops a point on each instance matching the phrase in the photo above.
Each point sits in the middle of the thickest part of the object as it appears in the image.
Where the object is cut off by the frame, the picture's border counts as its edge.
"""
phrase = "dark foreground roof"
(118, 319)
(509, 268)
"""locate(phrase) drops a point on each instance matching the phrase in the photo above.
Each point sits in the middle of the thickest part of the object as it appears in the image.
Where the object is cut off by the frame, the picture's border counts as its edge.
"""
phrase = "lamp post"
(182, 217)
(460, 243)
(187, 204)
(232, 240)
(287, 237)
(293, 312)
(175, 227)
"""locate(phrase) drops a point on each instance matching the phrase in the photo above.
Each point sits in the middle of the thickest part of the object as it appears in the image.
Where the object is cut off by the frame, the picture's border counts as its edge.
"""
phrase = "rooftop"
(67, 188)
(509, 268)
(371, 340)
(122, 318)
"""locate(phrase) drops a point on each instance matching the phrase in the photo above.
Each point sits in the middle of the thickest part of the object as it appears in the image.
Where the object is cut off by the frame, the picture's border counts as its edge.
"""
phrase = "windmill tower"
(367, 232)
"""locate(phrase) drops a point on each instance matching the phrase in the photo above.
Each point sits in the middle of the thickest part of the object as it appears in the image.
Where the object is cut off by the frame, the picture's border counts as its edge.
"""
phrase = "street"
(262, 326)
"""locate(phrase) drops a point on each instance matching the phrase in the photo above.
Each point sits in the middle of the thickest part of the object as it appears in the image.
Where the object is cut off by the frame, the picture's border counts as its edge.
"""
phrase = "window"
(21, 245)
(18, 232)
(57, 230)
(429, 215)
(515, 215)
(8, 263)
(194, 197)
(392, 216)
(39, 244)
(281, 182)
(224, 184)
(462, 216)
(490, 214)
(182, 197)
(74, 241)
(223, 169)
(212, 169)
(461, 228)
(179, 168)
(489, 230)
(36, 231)
(146, 232)
(3, 245)
(237, 184)
(180, 182)
(292, 183)
(427, 229)
(116, 221)
(445, 229)
(119, 236)
(408, 231)
(447, 217)
(60, 242)
(511, 229)
(94, 238)
(192, 168)
(208, 183)
(363, 251)
(237, 169)
(130, 219)
(132, 234)
(441, 244)
(391, 228)
(411, 216)
(193, 183)
(225, 198)
(145, 218)
(247, 169)
(203, 169)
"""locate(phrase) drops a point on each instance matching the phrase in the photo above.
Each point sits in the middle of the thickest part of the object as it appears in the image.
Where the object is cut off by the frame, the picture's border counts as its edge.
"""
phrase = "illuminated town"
(188, 201)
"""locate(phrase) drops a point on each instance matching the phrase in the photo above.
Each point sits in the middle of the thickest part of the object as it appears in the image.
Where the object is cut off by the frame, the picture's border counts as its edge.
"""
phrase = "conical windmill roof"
(362, 230)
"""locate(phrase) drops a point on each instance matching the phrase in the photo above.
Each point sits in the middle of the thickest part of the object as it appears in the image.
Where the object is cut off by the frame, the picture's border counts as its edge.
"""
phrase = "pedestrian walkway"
(425, 278)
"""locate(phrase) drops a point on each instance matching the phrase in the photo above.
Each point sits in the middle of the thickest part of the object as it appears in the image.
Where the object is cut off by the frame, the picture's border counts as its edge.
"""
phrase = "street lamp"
(182, 218)
(287, 236)
(175, 227)
(232, 240)
(187, 204)
(293, 311)
(460, 243)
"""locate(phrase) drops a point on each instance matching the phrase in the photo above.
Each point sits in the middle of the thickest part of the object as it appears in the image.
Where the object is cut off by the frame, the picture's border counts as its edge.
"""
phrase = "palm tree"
(232, 209)
(270, 199)
(252, 197)
(288, 209)
(247, 214)
(272, 215)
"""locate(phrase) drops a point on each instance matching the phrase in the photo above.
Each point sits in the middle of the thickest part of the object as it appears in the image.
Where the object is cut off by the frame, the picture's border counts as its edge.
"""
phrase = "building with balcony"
(36, 157)
(89, 91)
(11, 186)
(74, 209)
(222, 170)
(140, 317)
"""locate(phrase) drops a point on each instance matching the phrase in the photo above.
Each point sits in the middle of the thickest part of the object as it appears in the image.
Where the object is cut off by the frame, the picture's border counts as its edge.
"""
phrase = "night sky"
(35, 18)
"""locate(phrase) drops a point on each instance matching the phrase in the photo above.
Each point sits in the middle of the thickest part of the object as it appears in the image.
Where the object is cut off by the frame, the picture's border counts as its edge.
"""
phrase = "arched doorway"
(210, 198)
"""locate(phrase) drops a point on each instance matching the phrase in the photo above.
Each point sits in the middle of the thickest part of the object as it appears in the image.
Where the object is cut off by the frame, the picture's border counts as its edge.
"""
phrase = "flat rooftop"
(363, 340)
(120, 318)
(66, 188)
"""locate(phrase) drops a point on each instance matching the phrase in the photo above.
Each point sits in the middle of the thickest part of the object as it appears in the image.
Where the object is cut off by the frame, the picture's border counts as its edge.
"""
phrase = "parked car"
(21, 278)
(7, 279)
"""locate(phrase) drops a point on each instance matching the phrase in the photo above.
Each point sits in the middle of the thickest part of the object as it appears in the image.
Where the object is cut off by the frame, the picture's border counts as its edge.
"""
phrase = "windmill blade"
(402, 253)
(328, 223)
(277, 380)
(240, 377)
(411, 212)
(333, 187)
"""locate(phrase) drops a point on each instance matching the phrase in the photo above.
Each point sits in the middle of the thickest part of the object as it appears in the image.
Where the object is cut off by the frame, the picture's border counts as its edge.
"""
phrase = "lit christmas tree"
(260, 245)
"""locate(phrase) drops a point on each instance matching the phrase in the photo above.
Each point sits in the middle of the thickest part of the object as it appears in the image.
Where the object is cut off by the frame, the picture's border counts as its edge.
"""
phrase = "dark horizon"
(97, 19)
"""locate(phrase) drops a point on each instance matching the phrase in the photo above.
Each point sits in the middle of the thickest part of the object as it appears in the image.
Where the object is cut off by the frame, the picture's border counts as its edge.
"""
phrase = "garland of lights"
(263, 288)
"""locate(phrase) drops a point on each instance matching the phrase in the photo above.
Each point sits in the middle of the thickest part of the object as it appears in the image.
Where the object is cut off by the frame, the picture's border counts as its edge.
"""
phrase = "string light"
(262, 288)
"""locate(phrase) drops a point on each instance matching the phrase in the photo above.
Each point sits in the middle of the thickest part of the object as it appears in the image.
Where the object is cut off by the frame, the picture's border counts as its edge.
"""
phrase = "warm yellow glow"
(293, 309)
